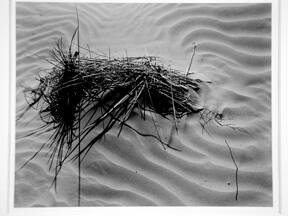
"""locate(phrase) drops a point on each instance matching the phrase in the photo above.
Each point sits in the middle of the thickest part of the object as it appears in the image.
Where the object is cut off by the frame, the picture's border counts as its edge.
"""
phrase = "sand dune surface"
(233, 52)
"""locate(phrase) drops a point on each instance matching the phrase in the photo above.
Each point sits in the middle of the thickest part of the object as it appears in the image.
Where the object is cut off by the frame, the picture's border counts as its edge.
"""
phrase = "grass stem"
(236, 171)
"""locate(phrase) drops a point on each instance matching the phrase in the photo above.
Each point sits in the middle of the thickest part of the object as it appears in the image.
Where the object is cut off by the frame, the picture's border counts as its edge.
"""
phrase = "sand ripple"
(233, 51)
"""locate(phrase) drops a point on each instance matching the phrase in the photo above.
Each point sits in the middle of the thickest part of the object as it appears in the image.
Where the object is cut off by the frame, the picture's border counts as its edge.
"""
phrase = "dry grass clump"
(84, 96)
(81, 94)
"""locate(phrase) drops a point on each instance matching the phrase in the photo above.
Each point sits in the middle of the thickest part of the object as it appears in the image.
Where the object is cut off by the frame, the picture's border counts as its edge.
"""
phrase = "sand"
(233, 51)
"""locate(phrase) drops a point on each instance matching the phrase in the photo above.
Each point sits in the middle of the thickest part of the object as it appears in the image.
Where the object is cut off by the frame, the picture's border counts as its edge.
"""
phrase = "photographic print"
(143, 104)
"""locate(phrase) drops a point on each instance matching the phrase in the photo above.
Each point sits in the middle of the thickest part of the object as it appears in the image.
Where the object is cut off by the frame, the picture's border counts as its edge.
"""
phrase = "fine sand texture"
(233, 52)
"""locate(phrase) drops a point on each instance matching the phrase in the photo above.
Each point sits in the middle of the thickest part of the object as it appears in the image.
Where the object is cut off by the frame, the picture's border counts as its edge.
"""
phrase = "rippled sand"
(233, 51)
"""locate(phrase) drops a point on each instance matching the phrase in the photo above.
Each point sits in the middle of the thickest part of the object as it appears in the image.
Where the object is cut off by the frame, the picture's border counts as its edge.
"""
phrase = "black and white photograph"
(143, 104)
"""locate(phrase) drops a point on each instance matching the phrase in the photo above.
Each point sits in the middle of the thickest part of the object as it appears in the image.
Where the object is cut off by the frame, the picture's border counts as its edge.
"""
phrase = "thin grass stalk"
(236, 170)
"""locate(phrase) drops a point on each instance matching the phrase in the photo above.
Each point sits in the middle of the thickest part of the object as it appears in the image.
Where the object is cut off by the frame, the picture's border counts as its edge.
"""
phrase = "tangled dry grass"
(107, 90)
